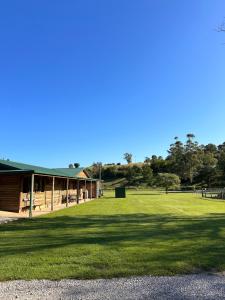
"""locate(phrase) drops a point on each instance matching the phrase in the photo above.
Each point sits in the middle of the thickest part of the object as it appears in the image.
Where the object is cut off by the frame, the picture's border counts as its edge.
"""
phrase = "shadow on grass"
(157, 239)
(147, 194)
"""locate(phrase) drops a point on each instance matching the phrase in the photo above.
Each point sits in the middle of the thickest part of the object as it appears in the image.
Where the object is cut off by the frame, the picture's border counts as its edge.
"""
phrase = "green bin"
(120, 192)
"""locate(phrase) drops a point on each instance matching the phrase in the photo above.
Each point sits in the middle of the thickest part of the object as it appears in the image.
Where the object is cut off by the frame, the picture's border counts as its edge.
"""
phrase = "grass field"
(146, 233)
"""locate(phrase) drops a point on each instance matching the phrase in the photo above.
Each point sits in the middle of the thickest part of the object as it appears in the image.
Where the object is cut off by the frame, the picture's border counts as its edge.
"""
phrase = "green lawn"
(146, 233)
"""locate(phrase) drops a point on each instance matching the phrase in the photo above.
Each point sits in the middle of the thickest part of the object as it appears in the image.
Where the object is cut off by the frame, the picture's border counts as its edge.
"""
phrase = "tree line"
(188, 163)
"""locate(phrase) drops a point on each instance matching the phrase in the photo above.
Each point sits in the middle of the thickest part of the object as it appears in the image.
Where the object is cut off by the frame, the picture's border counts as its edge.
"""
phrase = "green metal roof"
(12, 166)
(70, 171)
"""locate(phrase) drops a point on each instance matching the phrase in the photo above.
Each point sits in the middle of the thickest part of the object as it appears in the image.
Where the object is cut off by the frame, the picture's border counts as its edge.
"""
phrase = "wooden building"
(25, 186)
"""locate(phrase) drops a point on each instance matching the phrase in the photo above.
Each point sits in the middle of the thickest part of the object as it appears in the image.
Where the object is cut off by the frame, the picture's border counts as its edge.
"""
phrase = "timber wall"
(12, 198)
(10, 186)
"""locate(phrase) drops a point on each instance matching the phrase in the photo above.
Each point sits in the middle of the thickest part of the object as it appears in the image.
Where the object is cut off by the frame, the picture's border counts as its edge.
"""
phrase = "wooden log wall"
(12, 197)
(10, 186)
(94, 189)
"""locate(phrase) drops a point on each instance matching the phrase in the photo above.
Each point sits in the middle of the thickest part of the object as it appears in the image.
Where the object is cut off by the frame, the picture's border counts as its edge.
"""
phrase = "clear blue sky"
(84, 81)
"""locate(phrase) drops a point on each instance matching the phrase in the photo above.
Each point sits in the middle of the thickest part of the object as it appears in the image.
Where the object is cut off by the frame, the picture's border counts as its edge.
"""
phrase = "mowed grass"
(146, 233)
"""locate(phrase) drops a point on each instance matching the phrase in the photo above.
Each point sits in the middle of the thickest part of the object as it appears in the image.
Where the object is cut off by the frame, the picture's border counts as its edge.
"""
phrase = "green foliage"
(109, 172)
(176, 158)
(147, 174)
(147, 160)
(158, 164)
(185, 159)
(128, 157)
(134, 174)
(192, 157)
(169, 181)
(195, 164)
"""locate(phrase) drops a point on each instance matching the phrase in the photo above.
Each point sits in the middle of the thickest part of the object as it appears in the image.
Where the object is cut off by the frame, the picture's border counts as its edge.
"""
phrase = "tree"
(158, 164)
(192, 157)
(71, 166)
(176, 158)
(109, 173)
(76, 165)
(97, 169)
(168, 181)
(131, 175)
(147, 174)
(147, 160)
(221, 161)
(208, 171)
(128, 157)
(211, 148)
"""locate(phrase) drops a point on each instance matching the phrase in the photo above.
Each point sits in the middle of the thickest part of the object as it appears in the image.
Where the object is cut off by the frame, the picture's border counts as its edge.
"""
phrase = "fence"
(216, 193)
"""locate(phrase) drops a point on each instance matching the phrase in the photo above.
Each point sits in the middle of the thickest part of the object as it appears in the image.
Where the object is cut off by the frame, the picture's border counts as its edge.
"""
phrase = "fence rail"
(216, 193)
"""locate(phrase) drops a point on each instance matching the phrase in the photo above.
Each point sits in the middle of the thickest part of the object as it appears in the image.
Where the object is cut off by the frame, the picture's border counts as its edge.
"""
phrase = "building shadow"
(160, 239)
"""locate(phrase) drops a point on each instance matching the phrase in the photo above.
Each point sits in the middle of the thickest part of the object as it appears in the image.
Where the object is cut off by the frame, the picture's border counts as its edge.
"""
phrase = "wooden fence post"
(53, 190)
(31, 196)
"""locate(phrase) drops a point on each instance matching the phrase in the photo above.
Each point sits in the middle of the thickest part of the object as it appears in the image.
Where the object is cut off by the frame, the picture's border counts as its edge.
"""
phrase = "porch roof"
(11, 167)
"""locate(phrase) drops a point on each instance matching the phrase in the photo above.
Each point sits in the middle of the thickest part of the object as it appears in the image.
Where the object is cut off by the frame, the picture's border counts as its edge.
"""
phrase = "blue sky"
(85, 81)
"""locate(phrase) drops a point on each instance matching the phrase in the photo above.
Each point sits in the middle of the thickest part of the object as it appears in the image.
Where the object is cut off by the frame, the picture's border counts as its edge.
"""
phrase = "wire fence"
(216, 193)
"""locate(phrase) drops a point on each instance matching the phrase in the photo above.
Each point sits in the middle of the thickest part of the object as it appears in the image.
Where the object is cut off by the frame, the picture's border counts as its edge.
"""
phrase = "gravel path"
(148, 287)
(4, 220)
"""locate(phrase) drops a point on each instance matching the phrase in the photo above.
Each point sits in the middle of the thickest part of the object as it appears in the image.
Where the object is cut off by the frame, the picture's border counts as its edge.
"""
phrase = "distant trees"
(175, 158)
(192, 157)
(221, 160)
(74, 165)
(185, 159)
(194, 164)
(197, 164)
(207, 173)
(97, 169)
(147, 160)
(128, 157)
(147, 174)
(109, 172)
(168, 181)
(158, 164)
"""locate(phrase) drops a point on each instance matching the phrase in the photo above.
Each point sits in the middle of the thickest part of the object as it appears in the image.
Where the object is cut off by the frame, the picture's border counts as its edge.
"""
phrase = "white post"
(31, 196)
